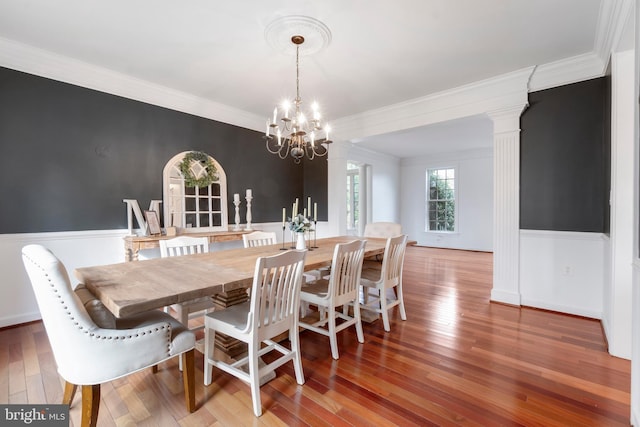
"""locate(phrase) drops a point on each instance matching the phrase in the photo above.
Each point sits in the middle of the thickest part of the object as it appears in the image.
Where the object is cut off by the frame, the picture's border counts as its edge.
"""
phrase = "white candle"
(285, 105)
(304, 214)
(236, 197)
(308, 206)
(284, 216)
(279, 138)
(266, 132)
(248, 192)
(293, 211)
(327, 133)
(315, 211)
(275, 113)
(297, 206)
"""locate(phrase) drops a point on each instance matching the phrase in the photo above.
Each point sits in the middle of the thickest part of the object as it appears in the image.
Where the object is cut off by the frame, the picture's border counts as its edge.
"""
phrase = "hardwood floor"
(457, 360)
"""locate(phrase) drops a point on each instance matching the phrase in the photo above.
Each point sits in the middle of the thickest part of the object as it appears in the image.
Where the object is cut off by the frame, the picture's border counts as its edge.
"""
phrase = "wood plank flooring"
(457, 360)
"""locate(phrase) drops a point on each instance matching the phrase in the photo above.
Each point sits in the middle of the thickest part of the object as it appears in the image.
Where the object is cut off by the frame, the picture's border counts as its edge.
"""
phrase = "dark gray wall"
(69, 155)
(565, 158)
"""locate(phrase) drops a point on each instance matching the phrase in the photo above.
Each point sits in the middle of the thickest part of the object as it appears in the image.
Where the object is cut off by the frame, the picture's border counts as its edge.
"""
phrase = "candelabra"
(283, 247)
(315, 228)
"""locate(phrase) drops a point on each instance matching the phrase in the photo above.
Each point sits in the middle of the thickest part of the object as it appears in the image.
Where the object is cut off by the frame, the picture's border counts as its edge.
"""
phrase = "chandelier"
(295, 132)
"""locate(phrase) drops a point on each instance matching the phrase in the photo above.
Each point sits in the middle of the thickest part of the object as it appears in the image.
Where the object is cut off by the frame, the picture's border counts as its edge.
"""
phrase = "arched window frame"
(207, 205)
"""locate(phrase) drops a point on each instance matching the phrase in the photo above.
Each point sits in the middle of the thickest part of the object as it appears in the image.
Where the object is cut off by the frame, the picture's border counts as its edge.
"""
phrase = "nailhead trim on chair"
(166, 329)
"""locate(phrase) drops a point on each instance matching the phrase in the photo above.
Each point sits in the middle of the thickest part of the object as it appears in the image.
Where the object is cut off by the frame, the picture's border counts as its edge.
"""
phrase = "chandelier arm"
(320, 150)
(282, 152)
(310, 151)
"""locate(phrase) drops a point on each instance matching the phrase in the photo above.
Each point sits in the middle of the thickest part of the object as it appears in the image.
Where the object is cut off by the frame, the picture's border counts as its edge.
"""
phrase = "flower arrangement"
(299, 224)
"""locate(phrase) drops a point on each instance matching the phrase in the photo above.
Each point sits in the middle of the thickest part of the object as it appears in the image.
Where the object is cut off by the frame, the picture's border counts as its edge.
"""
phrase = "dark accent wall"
(565, 158)
(69, 155)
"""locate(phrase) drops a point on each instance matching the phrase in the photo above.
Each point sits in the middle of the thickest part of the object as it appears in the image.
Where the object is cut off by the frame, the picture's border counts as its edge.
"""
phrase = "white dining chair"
(271, 311)
(340, 290)
(377, 284)
(188, 245)
(196, 308)
(88, 355)
(380, 229)
(259, 238)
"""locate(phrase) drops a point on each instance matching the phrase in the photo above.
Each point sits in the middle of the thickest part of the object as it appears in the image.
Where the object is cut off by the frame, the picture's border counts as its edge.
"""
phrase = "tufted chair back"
(85, 353)
(382, 229)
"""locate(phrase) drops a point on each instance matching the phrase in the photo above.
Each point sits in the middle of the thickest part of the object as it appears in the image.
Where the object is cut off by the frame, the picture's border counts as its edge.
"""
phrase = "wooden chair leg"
(90, 405)
(69, 392)
(189, 378)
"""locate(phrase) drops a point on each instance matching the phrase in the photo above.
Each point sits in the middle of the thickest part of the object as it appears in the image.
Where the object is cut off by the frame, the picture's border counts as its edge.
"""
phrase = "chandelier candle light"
(297, 133)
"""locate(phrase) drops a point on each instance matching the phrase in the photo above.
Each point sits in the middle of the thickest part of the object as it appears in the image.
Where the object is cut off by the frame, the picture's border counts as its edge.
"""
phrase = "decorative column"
(506, 205)
(337, 187)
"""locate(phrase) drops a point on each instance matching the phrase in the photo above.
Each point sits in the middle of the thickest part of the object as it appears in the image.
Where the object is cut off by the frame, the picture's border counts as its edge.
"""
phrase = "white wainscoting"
(75, 249)
(563, 271)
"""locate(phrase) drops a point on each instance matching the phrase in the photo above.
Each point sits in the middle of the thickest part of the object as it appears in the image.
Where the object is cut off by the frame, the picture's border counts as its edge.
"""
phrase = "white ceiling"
(382, 52)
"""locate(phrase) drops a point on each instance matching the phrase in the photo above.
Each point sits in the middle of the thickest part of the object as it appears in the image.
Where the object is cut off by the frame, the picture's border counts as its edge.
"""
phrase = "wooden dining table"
(133, 287)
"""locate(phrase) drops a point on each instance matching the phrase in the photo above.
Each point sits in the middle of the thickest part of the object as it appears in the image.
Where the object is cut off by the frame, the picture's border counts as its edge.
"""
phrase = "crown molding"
(43, 63)
(492, 94)
(567, 71)
(611, 21)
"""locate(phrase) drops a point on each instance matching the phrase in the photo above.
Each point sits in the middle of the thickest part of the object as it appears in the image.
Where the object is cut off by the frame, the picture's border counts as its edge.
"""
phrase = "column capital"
(507, 119)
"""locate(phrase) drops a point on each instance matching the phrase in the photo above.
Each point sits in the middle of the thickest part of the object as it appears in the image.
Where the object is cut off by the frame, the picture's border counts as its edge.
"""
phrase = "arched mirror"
(195, 193)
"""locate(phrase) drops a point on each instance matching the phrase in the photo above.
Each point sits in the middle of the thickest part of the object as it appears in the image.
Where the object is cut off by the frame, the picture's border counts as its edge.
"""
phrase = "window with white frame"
(353, 197)
(441, 200)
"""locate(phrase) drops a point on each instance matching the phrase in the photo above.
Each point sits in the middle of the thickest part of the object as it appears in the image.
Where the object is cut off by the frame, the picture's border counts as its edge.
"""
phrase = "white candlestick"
(236, 202)
(248, 199)
(308, 206)
(315, 211)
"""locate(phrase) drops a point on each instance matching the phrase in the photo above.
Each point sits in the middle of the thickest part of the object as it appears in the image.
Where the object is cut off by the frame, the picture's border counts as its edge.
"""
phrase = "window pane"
(440, 199)
(190, 220)
(190, 204)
